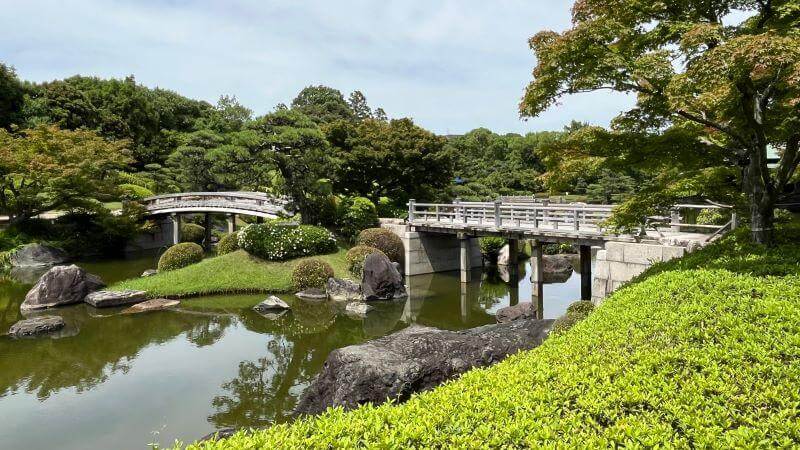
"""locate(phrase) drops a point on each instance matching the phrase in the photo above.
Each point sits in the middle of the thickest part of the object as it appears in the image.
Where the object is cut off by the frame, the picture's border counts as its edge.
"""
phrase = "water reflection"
(213, 363)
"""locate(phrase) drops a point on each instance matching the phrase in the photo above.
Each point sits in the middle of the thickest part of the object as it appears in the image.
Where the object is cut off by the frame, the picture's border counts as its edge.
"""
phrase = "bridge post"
(513, 260)
(498, 219)
(675, 220)
(537, 278)
(586, 272)
(464, 262)
(231, 223)
(176, 228)
(207, 238)
(410, 209)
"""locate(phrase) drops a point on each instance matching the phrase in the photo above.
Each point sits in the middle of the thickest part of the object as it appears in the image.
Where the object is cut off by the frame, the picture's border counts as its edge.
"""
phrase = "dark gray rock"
(222, 433)
(312, 294)
(61, 285)
(524, 310)
(381, 279)
(36, 326)
(38, 255)
(270, 305)
(340, 290)
(108, 299)
(413, 360)
(149, 272)
(155, 304)
(556, 268)
(357, 309)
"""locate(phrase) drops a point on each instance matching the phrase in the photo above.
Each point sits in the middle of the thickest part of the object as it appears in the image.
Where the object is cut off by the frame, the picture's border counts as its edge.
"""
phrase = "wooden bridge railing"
(245, 201)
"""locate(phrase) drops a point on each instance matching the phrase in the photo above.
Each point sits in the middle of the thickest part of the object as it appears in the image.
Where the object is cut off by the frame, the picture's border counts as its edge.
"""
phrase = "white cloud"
(452, 65)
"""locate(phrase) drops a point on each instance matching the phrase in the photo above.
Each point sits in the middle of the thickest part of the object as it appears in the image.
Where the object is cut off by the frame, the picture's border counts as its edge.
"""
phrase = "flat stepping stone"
(36, 326)
(357, 309)
(155, 304)
(107, 299)
(271, 304)
(312, 294)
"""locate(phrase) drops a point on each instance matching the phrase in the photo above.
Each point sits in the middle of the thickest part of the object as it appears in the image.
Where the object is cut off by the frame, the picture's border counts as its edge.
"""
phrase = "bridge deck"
(249, 203)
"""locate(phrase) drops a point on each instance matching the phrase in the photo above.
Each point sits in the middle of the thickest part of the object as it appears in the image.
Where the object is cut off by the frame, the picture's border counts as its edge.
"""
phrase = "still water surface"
(125, 381)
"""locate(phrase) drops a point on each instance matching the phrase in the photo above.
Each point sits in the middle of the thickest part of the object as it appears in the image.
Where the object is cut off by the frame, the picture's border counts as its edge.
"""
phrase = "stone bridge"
(256, 204)
(442, 237)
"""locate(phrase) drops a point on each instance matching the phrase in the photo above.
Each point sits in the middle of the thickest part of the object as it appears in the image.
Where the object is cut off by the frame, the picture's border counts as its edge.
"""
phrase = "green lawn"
(699, 353)
(236, 272)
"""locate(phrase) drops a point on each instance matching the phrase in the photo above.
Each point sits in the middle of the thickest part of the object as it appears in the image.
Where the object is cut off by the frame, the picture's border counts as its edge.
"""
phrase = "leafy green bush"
(134, 192)
(355, 214)
(388, 209)
(558, 249)
(491, 245)
(180, 255)
(228, 243)
(576, 312)
(783, 216)
(384, 240)
(311, 273)
(355, 259)
(685, 358)
(711, 217)
(191, 232)
(279, 241)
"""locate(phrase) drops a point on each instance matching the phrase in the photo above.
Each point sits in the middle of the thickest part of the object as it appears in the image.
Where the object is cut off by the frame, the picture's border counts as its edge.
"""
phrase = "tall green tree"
(322, 104)
(295, 146)
(12, 97)
(45, 168)
(358, 104)
(711, 95)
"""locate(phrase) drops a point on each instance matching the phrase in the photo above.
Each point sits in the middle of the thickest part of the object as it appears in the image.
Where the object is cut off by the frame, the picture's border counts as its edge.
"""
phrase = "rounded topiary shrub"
(191, 232)
(228, 243)
(180, 255)
(355, 259)
(355, 214)
(311, 273)
(384, 240)
(134, 192)
(279, 241)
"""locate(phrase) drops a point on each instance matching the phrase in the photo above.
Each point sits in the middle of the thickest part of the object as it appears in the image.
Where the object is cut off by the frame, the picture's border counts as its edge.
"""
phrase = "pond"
(111, 380)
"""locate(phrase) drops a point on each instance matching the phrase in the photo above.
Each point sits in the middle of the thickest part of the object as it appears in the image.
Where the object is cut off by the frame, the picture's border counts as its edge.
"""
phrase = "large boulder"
(381, 279)
(38, 255)
(36, 326)
(556, 268)
(524, 310)
(412, 360)
(61, 285)
(108, 299)
(340, 290)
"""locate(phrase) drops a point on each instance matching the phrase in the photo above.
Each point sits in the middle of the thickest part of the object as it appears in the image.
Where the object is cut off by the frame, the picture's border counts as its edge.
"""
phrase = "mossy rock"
(179, 256)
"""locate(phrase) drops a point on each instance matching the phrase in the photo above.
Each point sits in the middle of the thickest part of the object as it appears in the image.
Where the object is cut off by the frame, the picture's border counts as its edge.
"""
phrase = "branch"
(766, 13)
(788, 162)
(717, 126)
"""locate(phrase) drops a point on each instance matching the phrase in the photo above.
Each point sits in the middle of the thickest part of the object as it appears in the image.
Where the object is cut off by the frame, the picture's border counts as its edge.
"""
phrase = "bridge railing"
(245, 200)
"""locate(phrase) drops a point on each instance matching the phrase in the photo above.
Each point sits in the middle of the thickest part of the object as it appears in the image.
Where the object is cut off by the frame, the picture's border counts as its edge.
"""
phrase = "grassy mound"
(235, 272)
(697, 353)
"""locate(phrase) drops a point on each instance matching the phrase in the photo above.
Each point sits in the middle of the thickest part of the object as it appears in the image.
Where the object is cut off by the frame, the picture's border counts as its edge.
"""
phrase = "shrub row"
(278, 241)
(688, 358)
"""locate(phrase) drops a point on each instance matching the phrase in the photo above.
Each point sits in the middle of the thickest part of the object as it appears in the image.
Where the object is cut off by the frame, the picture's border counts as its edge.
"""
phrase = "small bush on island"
(355, 259)
(278, 241)
(179, 256)
(384, 240)
(228, 243)
(311, 273)
(355, 214)
(191, 232)
(134, 192)
(491, 245)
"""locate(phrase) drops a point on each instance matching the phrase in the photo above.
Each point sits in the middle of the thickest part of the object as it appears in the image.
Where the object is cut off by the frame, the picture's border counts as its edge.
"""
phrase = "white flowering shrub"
(278, 241)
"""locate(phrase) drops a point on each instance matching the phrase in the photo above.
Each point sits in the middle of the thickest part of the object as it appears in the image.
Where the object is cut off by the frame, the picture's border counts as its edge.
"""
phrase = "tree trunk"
(762, 219)
(761, 195)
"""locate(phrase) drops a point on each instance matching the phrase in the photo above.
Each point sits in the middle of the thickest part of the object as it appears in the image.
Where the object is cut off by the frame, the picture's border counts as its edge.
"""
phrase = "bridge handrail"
(233, 194)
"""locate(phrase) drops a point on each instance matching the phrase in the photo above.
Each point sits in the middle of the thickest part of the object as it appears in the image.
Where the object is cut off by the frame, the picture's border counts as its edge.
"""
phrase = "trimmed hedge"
(180, 255)
(278, 241)
(687, 358)
(311, 273)
(384, 240)
(192, 232)
(355, 259)
(228, 243)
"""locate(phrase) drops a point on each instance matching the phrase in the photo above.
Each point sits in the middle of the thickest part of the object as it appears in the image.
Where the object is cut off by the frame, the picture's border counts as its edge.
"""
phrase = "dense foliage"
(277, 241)
(384, 240)
(490, 246)
(694, 354)
(192, 232)
(311, 273)
(355, 259)
(229, 243)
(179, 256)
(715, 95)
(354, 215)
(576, 312)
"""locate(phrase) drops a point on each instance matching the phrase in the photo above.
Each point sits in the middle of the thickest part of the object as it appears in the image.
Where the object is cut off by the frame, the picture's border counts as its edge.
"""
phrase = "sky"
(450, 65)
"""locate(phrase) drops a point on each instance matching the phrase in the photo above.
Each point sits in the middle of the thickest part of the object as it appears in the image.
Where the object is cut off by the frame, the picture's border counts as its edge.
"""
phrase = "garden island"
(184, 274)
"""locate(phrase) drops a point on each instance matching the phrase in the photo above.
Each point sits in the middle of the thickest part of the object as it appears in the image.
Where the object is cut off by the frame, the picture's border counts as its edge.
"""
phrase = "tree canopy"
(712, 97)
